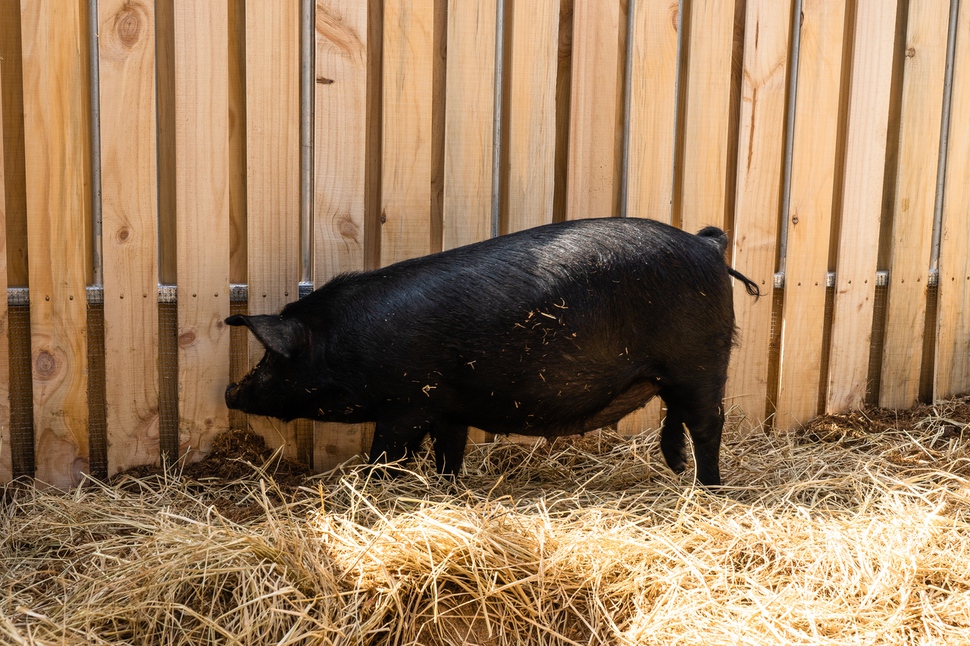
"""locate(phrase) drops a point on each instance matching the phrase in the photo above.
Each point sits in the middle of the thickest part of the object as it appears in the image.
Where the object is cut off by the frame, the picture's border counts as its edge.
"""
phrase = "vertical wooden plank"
(202, 218)
(757, 210)
(129, 197)
(814, 151)
(469, 127)
(6, 466)
(531, 136)
(922, 101)
(407, 80)
(340, 137)
(59, 232)
(593, 175)
(469, 121)
(273, 175)
(706, 118)
(340, 144)
(653, 109)
(865, 165)
(952, 366)
(650, 146)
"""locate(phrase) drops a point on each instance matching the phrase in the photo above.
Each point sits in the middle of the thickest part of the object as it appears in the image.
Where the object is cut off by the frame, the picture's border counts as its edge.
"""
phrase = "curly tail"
(720, 240)
(749, 285)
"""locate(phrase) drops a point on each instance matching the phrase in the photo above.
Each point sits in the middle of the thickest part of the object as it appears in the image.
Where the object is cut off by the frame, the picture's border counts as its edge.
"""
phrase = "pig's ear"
(287, 337)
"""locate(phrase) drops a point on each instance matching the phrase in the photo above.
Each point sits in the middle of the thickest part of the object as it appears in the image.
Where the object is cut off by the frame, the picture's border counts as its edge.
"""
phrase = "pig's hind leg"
(696, 408)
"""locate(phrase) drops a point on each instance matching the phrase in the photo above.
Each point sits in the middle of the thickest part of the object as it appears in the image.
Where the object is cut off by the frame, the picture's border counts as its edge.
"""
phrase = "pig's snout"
(232, 395)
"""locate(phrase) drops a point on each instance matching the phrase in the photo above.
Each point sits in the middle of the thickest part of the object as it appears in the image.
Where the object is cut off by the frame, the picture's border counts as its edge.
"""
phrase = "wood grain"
(340, 143)
(706, 123)
(272, 176)
(469, 122)
(952, 367)
(865, 165)
(407, 138)
(531, 125)
(593, 175)
(915, 194)
(653, 110)
(650, 157)
(202, 217)
(58, 232)
(6, 465)
(340, 163)
(814, 164)
(757, 209)
(129, 201)
(469, 128)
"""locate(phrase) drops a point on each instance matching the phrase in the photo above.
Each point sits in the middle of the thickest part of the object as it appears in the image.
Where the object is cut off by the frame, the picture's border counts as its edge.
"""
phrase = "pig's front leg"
(396, 441)
(449, 447)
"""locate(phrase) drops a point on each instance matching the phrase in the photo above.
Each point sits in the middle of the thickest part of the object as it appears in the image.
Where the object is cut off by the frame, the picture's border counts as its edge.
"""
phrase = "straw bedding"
(855, 530)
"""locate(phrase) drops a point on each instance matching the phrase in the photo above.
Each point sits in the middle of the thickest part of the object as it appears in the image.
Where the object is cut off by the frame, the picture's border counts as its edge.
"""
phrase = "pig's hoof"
(675, 457)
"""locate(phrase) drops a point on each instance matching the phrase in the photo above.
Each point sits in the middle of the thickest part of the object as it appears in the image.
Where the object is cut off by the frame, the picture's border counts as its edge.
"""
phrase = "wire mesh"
(97, 404)
(21, 392)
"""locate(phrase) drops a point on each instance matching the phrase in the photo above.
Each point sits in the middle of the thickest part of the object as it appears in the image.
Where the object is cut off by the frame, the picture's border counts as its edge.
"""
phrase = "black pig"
(556, 330)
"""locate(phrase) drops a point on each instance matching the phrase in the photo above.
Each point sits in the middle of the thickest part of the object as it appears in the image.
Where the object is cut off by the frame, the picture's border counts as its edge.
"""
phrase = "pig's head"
(290, 380)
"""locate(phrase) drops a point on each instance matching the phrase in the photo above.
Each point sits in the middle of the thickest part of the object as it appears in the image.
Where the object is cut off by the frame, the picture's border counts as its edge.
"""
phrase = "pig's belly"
(550, 425)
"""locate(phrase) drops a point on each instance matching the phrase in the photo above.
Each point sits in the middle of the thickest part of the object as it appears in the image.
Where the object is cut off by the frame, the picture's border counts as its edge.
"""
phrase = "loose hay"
(853, 531)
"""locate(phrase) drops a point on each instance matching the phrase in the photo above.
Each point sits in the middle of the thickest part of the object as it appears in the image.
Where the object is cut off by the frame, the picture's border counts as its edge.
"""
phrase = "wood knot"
(348, 228)
(123, 234)
(128, 26)
(910, 52)
(186, 339)
(45, 365)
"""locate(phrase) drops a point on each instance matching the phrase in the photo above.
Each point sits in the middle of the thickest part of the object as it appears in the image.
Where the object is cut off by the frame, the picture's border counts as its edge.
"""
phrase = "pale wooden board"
(810, 210)
(469, 127)
(758, 198)
(340, 144)
(58, 231)
(650, 157)
(531, 137)
(922, 100)
(273, 176)
(129, 219)
(202, 216)
(706, 126)
(865, 165)
(952, 367)
(592, 172)
(407, 100)
(340, 137)
(653, 109)
(6, 466)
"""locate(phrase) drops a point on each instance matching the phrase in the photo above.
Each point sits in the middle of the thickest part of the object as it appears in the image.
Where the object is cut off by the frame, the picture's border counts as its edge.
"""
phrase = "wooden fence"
(167, 162)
